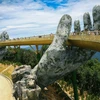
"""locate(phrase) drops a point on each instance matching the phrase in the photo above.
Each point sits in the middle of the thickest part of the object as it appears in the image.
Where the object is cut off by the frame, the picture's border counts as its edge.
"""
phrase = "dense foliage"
(88, 77)
(43, 49)
(22, 56)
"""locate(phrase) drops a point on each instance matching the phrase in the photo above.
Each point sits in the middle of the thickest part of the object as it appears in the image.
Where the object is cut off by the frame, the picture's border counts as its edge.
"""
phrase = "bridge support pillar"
(75, 85)
(37, 52)
(8, 47)
(14, 47)
(18, 46)
(32, 48)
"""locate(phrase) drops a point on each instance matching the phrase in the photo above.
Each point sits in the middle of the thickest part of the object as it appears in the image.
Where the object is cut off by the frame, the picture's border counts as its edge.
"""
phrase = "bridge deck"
(84, 41)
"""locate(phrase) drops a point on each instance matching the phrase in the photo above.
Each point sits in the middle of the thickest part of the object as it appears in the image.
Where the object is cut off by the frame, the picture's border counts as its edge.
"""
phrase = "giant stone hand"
(57, 61)
(96, 17)
(87, 22)
(3, 36)
(77, 27)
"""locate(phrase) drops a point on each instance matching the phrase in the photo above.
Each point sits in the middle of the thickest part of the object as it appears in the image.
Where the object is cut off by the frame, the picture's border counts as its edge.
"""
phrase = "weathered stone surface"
(3, 36)
(96, 17)
(57, 61)
(24, 84)
(60, 62)
(64, 26)
(87, 22)
(77, 27)
(21, 72)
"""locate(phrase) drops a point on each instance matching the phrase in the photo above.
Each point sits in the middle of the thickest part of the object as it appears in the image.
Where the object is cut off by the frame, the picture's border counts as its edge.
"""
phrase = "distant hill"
(29, 48)
(97, 55)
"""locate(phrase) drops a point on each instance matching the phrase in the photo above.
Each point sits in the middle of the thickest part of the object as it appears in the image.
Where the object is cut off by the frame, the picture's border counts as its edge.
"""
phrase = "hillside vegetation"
(88, 75)
(21, 56)
(88, 80)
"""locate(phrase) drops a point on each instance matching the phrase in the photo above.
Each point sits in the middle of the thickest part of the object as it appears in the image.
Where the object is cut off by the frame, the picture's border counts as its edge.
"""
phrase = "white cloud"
(20, 26)
(35, 18)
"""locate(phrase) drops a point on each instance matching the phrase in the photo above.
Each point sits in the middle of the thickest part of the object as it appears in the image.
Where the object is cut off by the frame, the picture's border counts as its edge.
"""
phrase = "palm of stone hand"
(57, 61)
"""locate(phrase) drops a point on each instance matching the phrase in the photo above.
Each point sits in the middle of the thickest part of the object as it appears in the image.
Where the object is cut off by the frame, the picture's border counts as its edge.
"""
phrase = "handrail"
(84, 41)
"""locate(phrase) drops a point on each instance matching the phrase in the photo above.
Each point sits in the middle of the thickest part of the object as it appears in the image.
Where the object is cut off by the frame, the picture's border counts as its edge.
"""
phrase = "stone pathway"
(5, 88)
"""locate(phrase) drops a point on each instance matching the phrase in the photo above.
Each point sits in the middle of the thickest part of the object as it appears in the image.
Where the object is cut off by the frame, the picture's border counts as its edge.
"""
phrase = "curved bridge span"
(84, 41)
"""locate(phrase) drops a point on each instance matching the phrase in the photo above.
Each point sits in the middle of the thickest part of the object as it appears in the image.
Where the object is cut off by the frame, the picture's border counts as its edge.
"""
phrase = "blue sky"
(24, 18)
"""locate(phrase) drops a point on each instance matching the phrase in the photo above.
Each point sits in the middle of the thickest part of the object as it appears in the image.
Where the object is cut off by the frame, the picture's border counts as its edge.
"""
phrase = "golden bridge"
(83, 40)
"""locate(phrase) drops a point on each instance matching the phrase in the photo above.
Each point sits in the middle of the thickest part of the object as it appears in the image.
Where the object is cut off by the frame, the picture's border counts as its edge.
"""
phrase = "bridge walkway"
(84, 41)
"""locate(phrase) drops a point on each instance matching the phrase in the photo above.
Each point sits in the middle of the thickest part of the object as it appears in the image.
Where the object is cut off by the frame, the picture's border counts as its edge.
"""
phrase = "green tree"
(88, 76)
(43, 49)
(21, 55)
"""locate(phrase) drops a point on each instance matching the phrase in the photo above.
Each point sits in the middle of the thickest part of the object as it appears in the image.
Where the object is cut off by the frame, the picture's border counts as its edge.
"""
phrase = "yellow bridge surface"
(84, 41)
